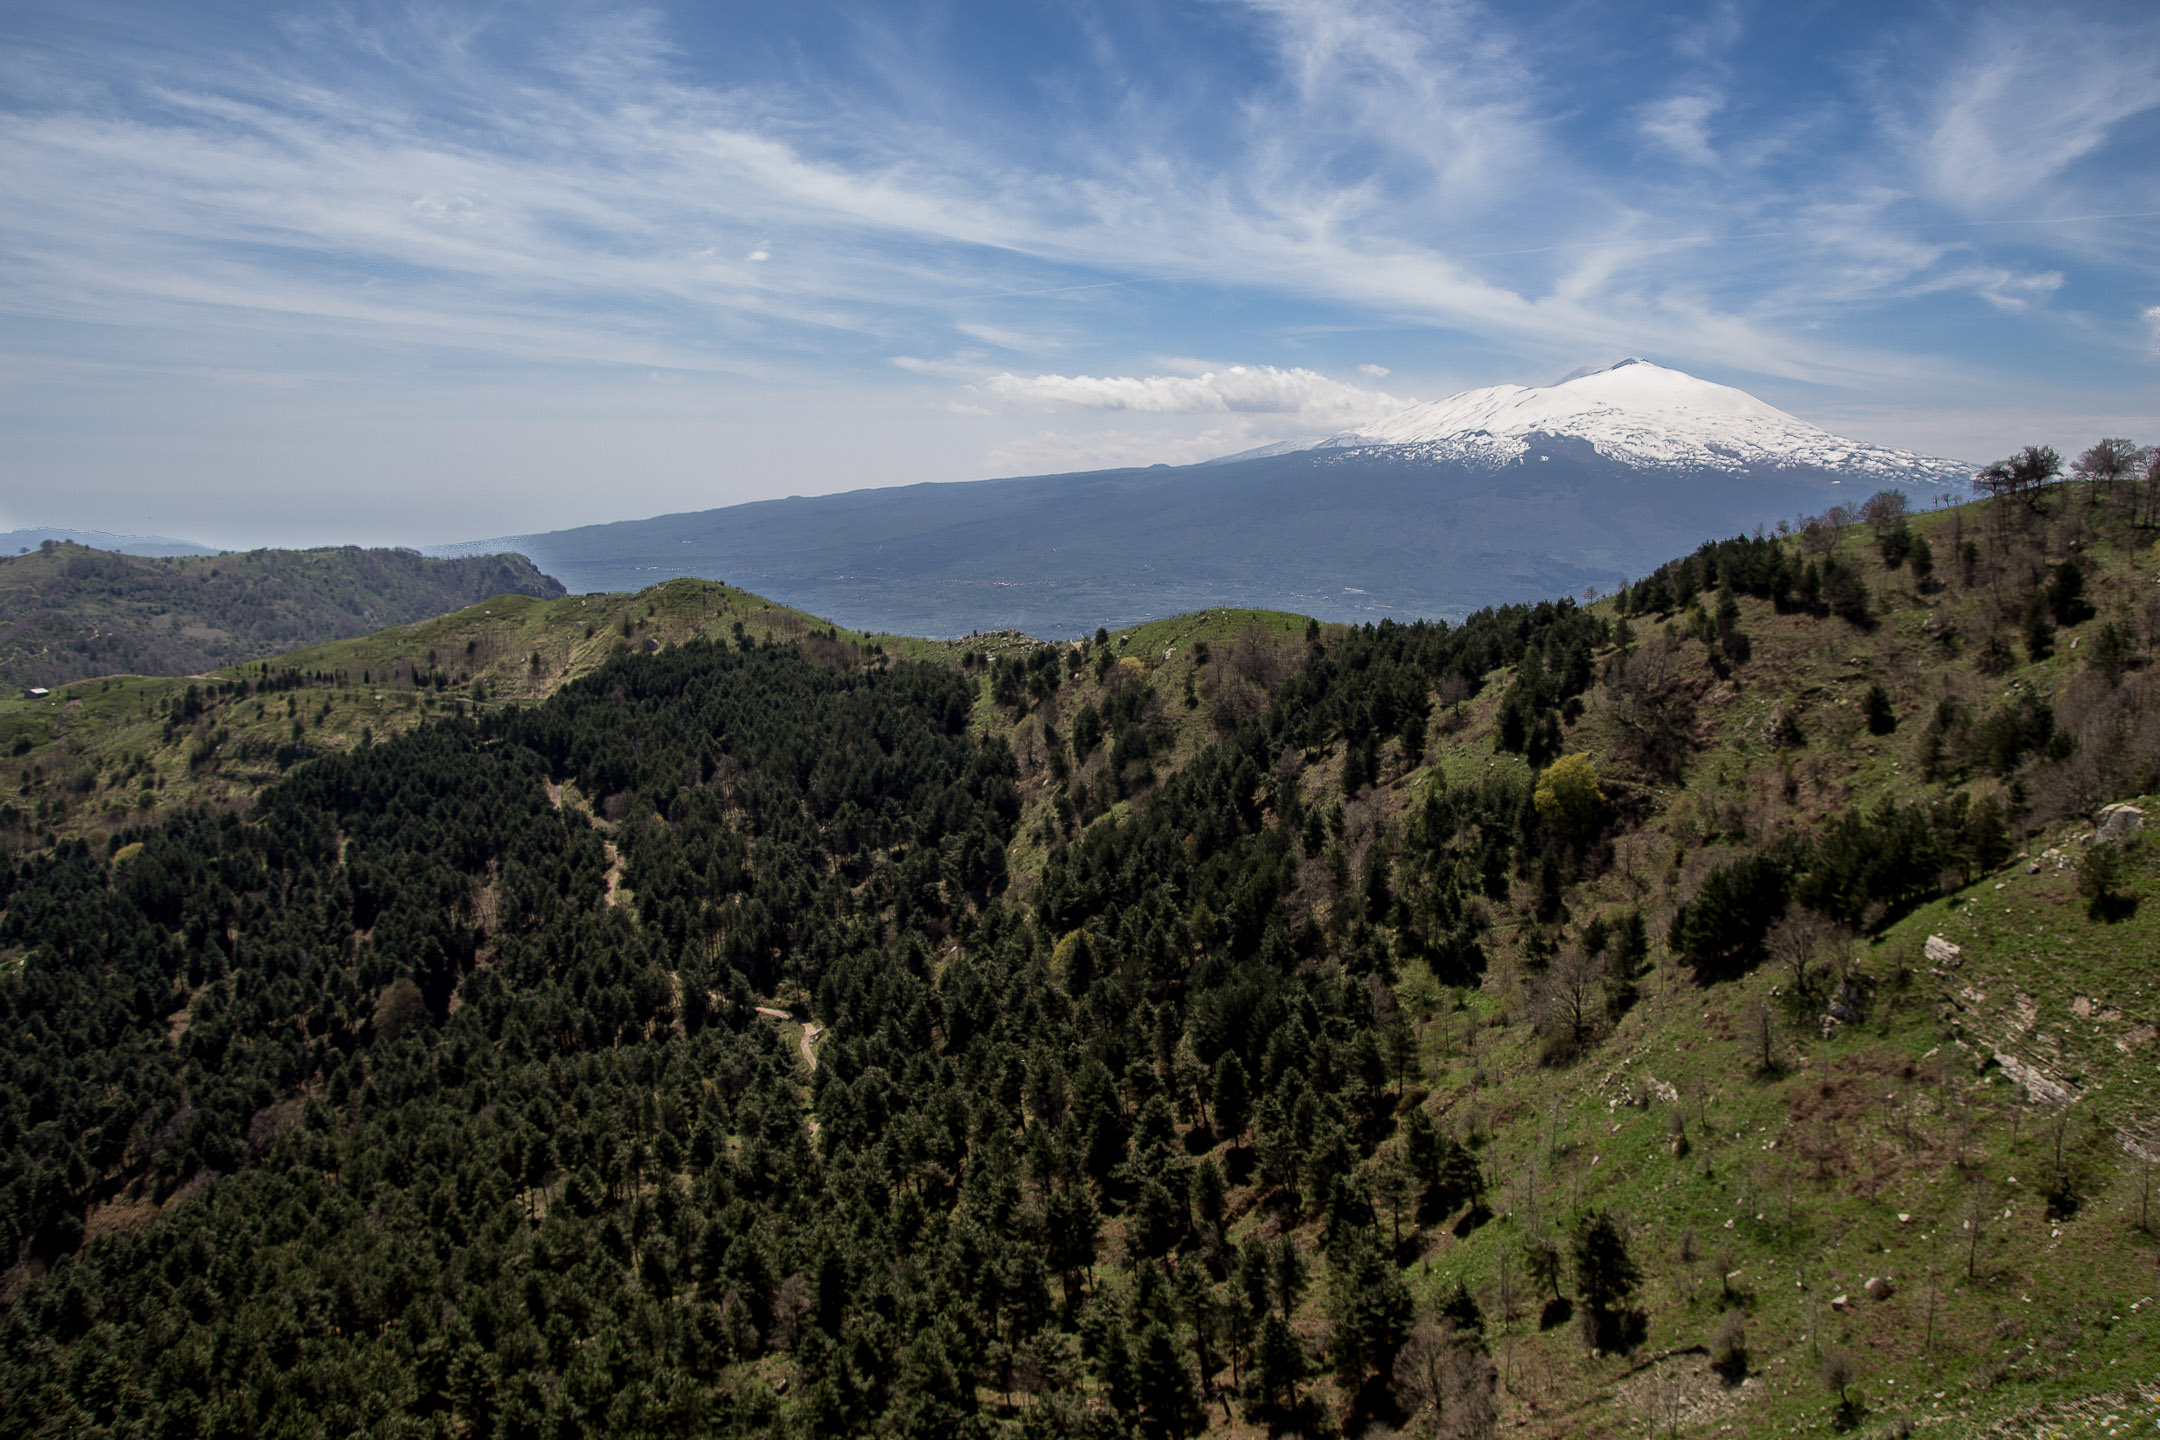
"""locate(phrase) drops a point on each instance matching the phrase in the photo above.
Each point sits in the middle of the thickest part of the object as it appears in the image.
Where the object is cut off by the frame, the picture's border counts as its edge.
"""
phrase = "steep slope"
(71, 612)
(1292, 1043)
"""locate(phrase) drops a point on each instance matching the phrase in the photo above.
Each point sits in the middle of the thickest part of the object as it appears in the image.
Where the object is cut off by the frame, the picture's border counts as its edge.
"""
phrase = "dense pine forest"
(565, 1126)
(1325, 1030)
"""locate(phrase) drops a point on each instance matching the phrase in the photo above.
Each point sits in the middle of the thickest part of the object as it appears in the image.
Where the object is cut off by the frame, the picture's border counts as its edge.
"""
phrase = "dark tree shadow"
(1238, 1164)
(1372, 1407)
(2112, 909)
(1614, 1332)
(1307, 1417)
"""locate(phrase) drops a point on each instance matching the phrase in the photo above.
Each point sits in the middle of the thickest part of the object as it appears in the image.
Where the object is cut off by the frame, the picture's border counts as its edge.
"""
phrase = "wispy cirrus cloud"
(1681, 124)
(618, 198)
(397, 197)
(2026, 99)
(1379, 125)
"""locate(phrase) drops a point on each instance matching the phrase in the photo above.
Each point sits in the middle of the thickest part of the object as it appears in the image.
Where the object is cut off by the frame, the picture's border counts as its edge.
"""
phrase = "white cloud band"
(1312, 398)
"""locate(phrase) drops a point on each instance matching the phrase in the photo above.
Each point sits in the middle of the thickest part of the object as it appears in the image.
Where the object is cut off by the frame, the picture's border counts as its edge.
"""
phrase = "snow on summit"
(1643, 415)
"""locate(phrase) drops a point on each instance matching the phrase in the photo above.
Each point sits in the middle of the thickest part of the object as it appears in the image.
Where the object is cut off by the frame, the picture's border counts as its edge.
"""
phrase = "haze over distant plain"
(416, 274)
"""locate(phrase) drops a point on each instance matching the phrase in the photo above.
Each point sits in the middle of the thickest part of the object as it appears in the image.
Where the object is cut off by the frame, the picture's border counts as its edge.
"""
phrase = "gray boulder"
(2118, 823)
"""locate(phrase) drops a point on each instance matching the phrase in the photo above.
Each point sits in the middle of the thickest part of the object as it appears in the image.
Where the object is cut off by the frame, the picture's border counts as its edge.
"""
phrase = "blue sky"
(397, 273)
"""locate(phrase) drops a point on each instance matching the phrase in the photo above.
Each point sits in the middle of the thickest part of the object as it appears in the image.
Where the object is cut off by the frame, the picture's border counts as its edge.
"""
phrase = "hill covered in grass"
(72, 613)
(1714, 1011)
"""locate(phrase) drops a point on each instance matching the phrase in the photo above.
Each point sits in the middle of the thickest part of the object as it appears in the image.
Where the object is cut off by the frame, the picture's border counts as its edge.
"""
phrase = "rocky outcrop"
(2117, 823)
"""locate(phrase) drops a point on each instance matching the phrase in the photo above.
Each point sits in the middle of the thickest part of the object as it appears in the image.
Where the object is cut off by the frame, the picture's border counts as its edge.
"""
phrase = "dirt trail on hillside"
(614, 872)
(803, 1042)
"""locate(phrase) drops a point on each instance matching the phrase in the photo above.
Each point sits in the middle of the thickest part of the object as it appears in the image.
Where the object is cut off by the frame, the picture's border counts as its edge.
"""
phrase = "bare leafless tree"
(1839, 1371)
(2145, 1169)
(1470, 1412)
(1761, 1025)
(1443, 1379)
(2108, 465)
(1885, 509)
(1979, 1209)
(1653, 702)
(1799, 941)
(1568, 1000)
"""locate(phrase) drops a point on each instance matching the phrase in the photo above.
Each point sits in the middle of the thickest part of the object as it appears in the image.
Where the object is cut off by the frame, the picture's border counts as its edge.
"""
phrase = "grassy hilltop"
(1753, 914)
(102, 753)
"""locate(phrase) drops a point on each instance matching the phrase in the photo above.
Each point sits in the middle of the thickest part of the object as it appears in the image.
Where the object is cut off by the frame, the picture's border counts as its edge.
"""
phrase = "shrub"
(1568, 797)
(1728, 1347)
(2101, 873)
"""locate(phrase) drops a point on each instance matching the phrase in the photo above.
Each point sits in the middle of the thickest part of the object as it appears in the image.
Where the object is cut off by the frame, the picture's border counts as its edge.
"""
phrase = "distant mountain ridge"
(16, 542)
(1511, 493)
(72, 613)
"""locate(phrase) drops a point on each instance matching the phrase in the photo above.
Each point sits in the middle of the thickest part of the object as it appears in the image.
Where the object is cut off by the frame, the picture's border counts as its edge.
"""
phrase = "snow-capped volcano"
(1642, 415)
(1491, 497)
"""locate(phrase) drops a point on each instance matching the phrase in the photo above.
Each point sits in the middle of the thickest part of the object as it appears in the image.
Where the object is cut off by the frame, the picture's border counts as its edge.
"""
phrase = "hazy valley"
(1494, 497)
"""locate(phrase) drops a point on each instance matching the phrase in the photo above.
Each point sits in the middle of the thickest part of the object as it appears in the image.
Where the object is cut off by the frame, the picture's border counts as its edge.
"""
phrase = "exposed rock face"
(2118, 823)
(2035, 1084)
(1849, 1006)
(1941, 952)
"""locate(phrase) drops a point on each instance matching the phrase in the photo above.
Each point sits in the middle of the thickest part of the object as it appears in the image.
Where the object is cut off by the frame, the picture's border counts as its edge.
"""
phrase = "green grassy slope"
(68, 613)
(1777, 1192)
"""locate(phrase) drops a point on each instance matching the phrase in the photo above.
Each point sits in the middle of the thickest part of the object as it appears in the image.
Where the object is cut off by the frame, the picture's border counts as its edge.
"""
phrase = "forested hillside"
(129, 749)
(1723, 1009)
(69, 613)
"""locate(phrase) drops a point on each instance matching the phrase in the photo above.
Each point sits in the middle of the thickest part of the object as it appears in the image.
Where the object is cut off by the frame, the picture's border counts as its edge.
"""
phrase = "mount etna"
(1492, 496)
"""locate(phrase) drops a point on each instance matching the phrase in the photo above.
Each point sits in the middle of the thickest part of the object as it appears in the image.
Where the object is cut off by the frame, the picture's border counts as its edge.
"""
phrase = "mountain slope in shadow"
(1344, 534)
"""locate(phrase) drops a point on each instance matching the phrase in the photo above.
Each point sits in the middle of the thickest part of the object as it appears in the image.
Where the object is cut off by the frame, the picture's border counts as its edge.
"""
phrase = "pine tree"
(1605, 1279)
(1279, 1363)
(1231, 1097)
(1370, 1312)
(1169, 1404)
